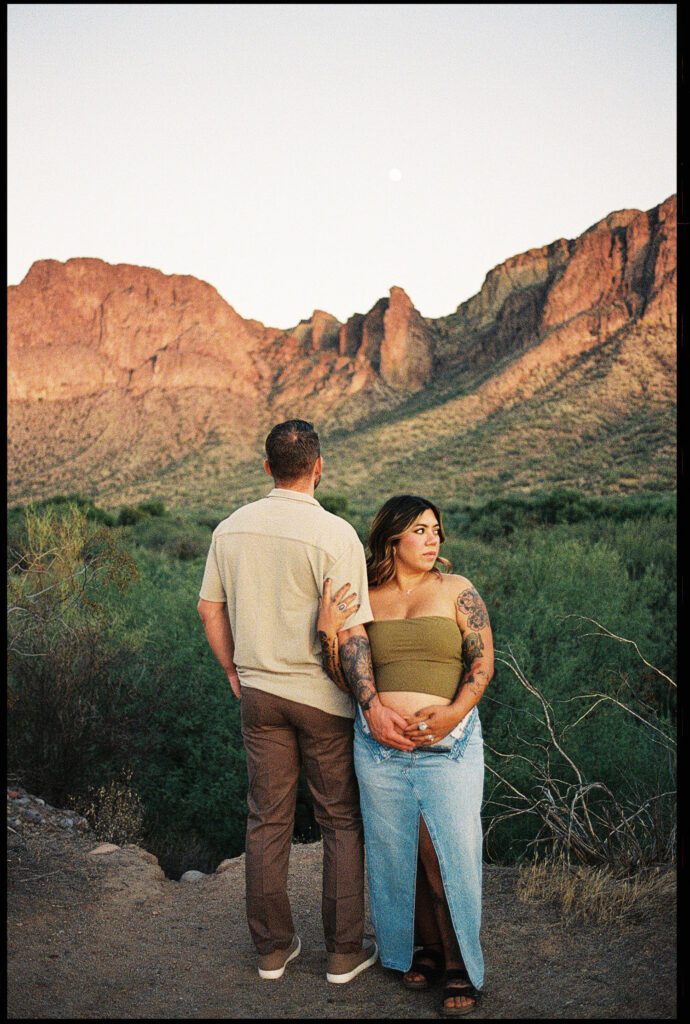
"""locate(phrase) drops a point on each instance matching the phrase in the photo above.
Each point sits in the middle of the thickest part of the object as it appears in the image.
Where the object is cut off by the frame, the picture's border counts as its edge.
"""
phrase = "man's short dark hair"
(292, 448)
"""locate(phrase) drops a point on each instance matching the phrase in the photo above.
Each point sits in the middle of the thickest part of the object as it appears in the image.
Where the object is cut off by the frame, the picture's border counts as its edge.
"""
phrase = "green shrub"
(128, 515)
(69, 660)
(155, 702)
(188, 762)
(178, 538)
(621, 574)
(153, 508)
(335, 503)
(16, 517)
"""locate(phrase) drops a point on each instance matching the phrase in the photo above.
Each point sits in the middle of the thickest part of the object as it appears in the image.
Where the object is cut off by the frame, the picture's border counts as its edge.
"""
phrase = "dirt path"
(107, 936)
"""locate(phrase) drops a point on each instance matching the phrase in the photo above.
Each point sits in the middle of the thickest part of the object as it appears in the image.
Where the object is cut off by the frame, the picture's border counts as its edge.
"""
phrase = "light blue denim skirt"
(444, 783)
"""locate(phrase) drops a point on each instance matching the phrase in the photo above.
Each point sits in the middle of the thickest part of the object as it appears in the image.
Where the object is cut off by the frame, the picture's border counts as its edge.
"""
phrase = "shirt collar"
(283, 492)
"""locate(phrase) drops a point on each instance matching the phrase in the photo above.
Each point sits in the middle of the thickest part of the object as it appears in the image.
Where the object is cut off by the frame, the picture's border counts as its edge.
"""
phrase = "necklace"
(414, 585)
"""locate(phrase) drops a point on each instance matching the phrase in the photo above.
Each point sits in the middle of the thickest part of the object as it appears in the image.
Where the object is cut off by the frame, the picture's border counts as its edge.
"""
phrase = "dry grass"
(115, 812)
(597, 894)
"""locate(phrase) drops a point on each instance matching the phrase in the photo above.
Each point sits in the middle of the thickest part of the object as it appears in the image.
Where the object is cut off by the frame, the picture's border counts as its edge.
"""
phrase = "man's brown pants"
(278, 735)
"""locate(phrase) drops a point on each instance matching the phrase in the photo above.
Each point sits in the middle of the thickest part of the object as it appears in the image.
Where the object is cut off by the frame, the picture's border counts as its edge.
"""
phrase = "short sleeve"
(351, 567)
(212, 588)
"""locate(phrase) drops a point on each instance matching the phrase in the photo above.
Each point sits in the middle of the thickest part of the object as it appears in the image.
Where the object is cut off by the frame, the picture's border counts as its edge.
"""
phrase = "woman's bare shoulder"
(455, 583)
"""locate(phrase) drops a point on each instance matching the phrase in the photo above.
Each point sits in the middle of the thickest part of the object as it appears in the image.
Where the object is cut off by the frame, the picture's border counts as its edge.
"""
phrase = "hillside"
(124, 383)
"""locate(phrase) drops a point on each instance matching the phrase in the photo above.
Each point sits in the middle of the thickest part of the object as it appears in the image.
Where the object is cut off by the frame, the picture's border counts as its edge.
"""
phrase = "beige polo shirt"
(269, 561)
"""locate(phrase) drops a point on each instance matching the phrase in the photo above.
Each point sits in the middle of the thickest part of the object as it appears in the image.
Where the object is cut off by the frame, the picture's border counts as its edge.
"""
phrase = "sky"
(312, 156)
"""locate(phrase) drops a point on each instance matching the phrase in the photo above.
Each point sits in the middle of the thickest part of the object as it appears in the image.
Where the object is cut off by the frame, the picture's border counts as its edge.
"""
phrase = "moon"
(395, 174)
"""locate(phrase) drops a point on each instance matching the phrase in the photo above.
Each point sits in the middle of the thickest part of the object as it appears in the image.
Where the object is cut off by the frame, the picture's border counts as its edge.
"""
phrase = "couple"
(413, 647)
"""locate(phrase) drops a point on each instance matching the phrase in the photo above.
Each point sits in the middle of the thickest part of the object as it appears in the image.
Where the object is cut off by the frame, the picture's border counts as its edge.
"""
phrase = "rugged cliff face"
(117, 372)
(571, 294)
(85, 327)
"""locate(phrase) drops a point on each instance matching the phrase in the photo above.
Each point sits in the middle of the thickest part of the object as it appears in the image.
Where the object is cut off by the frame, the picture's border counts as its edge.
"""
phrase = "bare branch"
(621, 639)
(577, 817)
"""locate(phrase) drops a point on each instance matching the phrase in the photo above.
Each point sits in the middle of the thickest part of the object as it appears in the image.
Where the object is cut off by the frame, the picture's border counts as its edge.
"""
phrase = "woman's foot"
(459, 994)
(428, 966)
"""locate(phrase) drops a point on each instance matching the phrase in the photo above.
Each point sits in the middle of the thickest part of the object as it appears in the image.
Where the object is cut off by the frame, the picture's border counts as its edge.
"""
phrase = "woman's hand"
(438, 721)
(335, 611)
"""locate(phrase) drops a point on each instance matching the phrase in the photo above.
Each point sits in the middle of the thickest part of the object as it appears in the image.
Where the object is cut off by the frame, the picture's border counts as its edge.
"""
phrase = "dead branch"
(576, 817)
(621, 639)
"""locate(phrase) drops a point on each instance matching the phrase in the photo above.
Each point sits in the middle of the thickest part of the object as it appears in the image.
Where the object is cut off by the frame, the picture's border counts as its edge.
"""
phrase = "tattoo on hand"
(472, 648)
(355, 658)
(471, 605)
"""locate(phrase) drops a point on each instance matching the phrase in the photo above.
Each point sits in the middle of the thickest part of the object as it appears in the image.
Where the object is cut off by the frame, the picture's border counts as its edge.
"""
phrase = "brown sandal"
(430, 972)
(457, 983)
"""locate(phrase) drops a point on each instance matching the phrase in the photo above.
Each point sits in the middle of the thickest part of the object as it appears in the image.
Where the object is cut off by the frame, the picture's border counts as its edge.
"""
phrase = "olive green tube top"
(423, 654)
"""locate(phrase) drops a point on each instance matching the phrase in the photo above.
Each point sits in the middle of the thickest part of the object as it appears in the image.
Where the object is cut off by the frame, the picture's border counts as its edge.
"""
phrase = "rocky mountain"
(124, 382)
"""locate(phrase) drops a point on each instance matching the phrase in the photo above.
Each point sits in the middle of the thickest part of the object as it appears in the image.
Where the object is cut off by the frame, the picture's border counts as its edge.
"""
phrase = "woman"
(432, 652)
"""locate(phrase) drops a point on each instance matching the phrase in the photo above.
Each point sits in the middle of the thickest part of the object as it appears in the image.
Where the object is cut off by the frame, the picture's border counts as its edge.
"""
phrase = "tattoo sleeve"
(331, 661)
(471, 605)
(476, 681)
(355, 659)
(472, 648)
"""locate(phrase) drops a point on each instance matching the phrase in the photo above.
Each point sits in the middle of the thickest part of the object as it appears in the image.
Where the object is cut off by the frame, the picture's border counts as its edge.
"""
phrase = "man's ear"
(267, 467)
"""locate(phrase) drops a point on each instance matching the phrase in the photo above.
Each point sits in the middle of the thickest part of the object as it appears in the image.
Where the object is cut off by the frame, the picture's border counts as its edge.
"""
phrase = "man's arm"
(214, 615)
(355, 659)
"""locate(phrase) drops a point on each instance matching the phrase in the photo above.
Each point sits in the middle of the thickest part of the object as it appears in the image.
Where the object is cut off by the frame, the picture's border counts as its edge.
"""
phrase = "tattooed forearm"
(331, 662)
(476, 681)
(355, 660)
(471, 605)
(472, 648)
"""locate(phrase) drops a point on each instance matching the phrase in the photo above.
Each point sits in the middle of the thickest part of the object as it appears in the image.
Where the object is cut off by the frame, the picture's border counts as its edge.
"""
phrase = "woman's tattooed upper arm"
(472, 648)
(471, 605)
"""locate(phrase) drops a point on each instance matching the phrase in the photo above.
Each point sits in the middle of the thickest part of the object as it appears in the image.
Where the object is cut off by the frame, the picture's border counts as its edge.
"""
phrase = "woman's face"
(417, 550)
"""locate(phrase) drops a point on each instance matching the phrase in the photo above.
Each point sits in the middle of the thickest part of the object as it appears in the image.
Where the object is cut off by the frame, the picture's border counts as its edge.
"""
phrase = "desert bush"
(576, 817)
(154, 508)
(17, 518)
(128, 515)
(70, 663)
(85, 505)
(188, 761)
(335, 503)
(209, 520)
(501, 517)
(114, 811)
(179, 538)
(164, 711)
(179, 851)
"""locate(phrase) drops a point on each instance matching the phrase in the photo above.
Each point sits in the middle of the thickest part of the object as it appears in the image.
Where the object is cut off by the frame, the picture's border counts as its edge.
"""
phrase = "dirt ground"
(108, 936)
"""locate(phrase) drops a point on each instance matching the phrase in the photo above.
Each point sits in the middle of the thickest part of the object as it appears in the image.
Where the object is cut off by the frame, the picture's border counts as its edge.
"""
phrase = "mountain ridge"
(128, 378)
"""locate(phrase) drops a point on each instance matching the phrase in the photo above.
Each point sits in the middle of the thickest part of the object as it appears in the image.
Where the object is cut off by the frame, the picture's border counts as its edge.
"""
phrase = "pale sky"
(312, 156)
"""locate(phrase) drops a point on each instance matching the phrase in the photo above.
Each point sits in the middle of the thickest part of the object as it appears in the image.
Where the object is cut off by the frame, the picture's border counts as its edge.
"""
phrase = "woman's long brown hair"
(392, 520)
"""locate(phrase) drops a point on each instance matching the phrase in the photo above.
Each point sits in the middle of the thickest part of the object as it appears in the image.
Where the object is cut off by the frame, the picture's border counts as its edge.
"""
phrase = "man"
(265, 573)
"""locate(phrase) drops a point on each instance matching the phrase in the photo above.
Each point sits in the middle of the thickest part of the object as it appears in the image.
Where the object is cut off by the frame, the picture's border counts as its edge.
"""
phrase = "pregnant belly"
(406, 702)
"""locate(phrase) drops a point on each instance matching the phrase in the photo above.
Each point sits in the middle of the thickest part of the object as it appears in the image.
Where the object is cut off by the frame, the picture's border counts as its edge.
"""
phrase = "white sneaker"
(272, 965)
(343, 967)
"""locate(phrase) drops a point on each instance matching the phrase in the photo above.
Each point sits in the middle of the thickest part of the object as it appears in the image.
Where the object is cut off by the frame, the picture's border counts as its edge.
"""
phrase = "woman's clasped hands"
(431, 724)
